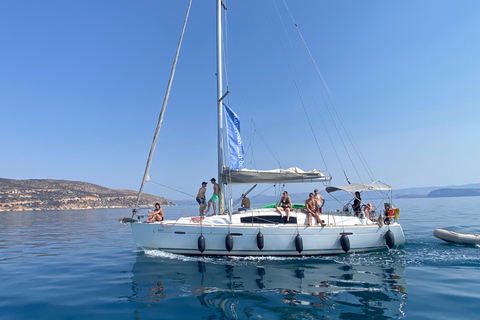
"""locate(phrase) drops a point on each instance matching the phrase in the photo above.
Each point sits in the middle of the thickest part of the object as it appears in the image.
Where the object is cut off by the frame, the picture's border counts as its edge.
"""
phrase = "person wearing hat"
(201, 199)
(245, 203)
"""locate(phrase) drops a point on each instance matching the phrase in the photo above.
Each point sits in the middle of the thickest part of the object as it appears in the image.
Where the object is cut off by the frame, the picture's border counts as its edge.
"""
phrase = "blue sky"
(82, 83)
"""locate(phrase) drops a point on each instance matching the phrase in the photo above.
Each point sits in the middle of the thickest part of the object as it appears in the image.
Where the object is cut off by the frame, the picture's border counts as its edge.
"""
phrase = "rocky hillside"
(46, 194)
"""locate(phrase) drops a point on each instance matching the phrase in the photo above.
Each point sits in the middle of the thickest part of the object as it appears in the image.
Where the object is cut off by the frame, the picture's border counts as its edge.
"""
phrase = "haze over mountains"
(47, 194)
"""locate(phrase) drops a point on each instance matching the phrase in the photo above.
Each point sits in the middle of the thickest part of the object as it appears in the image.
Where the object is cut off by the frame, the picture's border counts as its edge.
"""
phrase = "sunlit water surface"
(82, 264)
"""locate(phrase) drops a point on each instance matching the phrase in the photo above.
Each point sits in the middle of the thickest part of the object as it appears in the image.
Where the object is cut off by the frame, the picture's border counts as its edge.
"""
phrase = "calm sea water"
(83, 265)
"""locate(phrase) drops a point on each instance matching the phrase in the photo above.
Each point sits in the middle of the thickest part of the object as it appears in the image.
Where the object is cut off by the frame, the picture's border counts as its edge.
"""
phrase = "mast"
(219, 102)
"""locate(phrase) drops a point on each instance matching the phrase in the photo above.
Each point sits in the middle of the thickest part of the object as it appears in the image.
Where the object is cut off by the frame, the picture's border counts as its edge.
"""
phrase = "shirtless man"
(245, 203)
(156, 214)
(312, 211)
(319, 201)
(201, 199)
(214, 198)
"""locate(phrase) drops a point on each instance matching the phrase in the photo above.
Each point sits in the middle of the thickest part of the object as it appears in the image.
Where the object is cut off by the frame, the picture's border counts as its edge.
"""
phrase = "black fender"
(299, 243)
(260, 242)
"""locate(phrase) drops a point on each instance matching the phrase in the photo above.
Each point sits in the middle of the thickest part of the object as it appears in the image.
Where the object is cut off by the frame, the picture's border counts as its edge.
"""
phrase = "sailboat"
(262, 231)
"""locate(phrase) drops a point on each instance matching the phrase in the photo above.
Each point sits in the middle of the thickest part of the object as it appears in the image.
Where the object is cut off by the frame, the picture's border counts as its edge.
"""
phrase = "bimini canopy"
(351, 188)
(291, 175)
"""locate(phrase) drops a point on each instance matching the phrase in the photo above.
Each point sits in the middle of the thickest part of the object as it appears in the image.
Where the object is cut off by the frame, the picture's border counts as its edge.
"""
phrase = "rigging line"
(252, 136)
(322, 119)
(298, 90)
(172, 189)
(326, 100)
(348, 134)
(241, 78)
(254, 128)
(251, 148)
(361, 157)
(351, 138)
(332, 104)
(246, 194)
(309, 89)
(265, 143)
(251, 145)
(162, 112)
(262, 192)
(279, 194)
(315, 101)
(225, 47)
(309, 58)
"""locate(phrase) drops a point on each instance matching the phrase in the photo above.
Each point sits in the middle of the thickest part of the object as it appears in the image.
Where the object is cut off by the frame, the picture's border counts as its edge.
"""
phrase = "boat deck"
(256, 217)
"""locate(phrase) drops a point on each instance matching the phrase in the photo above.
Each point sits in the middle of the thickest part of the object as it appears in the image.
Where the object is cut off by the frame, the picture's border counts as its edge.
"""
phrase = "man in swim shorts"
(214, 198)
(312, 210)
(201, 199)
(245, 203)
(319, 201)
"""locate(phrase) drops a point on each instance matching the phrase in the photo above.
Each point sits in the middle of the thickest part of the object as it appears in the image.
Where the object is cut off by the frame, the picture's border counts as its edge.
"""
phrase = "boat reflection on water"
(214, 288)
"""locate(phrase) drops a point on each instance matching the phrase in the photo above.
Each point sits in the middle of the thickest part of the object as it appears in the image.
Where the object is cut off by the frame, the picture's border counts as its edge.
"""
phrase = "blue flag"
(237, 157)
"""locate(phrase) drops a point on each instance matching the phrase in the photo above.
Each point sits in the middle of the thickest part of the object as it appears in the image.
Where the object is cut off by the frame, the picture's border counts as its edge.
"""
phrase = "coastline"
(2, 210)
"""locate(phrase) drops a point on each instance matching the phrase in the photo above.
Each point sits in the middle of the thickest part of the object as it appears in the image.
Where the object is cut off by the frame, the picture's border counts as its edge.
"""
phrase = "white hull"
(457, 237)
(181, 236)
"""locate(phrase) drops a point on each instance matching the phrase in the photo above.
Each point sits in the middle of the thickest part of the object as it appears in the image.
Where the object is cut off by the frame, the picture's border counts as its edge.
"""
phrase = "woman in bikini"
(155, 215)
(285, 205)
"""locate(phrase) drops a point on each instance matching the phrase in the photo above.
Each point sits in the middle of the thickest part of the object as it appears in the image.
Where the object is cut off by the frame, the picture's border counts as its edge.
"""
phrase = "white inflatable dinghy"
(457, 237)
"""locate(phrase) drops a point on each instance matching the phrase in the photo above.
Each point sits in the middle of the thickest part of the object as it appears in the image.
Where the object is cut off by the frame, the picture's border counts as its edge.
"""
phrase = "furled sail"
(235, 146)
(351, 188)
(291, 175)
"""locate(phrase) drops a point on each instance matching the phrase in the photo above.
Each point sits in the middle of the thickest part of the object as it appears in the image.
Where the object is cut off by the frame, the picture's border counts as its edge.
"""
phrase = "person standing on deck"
(201, 199)
(357, 204)
(319, 201)
(214, 198)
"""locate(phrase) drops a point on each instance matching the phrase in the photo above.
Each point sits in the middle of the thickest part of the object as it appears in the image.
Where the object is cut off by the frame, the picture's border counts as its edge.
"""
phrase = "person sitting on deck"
(155, 215)
(312, 210)
(285, 205)
(245, 203)
(367, 209)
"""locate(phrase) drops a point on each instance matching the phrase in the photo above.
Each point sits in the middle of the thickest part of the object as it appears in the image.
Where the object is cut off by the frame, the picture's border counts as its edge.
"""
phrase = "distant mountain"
(457, 191)
(469, 192)
(425, 191)
(46, 194)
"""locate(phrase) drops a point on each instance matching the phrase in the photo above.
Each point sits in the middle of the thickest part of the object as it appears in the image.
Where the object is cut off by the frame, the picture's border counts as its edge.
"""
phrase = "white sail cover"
(291, 175)
(353, 187)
